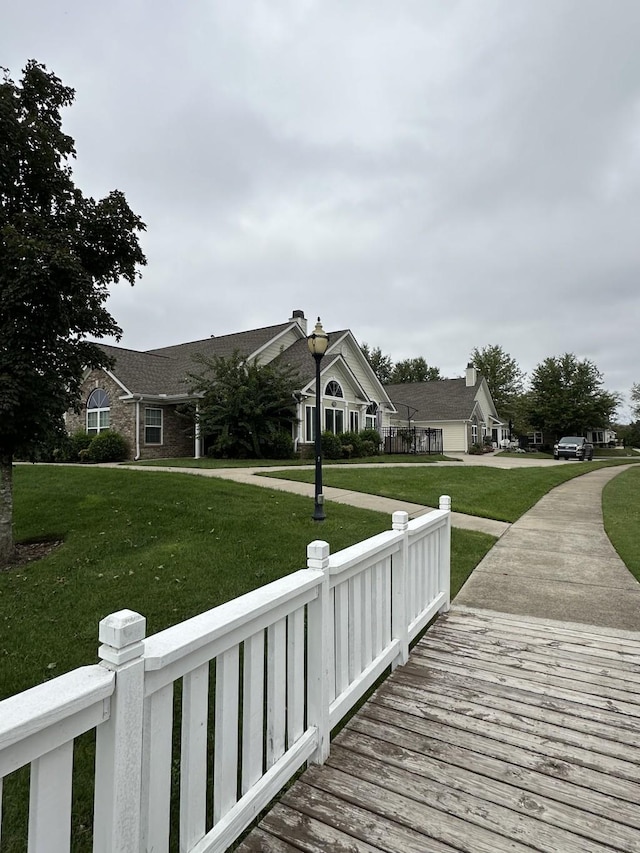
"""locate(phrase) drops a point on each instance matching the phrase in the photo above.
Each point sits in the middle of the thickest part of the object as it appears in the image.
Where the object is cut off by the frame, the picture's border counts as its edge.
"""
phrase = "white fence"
(238, 698)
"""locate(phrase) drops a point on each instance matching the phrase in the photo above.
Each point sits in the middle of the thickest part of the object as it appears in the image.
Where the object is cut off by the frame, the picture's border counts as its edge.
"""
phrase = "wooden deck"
(500, 734)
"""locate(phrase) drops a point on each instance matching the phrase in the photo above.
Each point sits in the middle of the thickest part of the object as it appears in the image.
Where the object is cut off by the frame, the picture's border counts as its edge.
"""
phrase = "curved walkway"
(556, 562)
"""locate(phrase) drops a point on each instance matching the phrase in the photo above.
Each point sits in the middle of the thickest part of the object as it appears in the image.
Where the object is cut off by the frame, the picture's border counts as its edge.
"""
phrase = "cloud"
(436, 176)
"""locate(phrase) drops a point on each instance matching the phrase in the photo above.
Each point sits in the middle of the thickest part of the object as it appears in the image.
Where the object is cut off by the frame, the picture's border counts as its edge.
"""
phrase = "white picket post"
(119, 739)
(444, 573)
(399, 567)
(320, 652)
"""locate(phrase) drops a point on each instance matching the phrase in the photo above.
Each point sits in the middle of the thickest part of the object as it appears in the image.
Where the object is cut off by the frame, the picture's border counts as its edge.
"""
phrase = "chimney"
(299, 318)
(471, 376)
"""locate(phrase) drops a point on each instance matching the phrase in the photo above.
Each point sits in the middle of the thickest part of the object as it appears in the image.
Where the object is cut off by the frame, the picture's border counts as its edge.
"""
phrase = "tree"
(414, 370)
(567, 397)
(635, 400)
(381, 364)
(59, 251)
(503, 375)
(246, 407)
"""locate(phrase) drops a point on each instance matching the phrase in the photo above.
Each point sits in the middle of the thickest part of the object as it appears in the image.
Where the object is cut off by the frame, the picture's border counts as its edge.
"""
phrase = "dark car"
(573, 447)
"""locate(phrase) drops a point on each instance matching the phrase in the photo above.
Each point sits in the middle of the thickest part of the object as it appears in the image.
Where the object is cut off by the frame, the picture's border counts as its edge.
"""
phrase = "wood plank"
(546, 746)
(545, 650)
(596, 640)
(535, 799)
(323, 788)
(549, 687)
(395, 714)
(480, 803)
(536, 703)
(510, 714)
(259, 841)
(591, 679)
(312, 835)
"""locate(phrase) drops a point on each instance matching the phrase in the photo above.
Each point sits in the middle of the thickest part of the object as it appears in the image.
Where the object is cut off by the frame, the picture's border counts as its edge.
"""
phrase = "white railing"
(238, 698)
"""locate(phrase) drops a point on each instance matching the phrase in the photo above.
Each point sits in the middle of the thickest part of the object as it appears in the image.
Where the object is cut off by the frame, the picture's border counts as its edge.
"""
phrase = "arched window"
(98, 411)
(371, 416)
(333, 389)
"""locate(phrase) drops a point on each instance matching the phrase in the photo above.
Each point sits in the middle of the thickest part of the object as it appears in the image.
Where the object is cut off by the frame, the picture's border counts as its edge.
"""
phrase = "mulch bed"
(29, 552)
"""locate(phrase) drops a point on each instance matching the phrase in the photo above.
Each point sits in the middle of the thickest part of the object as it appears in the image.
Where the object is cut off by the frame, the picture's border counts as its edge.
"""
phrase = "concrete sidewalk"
(556, 562)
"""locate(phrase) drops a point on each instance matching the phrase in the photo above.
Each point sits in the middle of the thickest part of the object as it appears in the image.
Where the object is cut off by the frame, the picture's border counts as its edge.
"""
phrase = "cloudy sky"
(433, 174)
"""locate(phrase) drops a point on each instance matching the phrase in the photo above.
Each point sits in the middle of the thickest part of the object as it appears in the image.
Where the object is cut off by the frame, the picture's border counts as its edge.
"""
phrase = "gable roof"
(439, 400)
(164, 372)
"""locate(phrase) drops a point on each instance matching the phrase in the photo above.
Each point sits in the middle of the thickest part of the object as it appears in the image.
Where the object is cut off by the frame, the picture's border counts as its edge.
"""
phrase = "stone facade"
(177, 433)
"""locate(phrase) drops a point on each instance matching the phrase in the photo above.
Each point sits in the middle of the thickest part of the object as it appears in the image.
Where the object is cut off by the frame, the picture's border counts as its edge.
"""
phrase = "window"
(371, 417)
(153, 426)
(354, 421)
(474, 433)
(310, 423)
(334, 420)
(333, 389)
(98, 411)
(534, 438)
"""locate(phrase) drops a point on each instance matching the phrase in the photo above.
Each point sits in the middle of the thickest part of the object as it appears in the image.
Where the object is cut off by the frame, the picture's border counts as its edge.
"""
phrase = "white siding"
(278, 345)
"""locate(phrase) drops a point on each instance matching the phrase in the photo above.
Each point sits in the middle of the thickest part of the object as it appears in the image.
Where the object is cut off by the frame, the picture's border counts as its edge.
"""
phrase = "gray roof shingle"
(440, 400)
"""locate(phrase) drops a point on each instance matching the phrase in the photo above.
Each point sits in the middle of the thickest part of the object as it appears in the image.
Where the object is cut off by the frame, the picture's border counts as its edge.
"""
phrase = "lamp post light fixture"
(318, 341)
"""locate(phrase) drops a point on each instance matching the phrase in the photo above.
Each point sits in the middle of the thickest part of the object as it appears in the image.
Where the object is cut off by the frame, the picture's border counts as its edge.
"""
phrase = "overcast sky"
(434, 175)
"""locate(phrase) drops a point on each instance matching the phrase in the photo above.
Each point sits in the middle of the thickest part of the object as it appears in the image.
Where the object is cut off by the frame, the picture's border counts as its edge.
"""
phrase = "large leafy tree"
(567, 397)
(246, 408)
(59, 251)
(381, 364)
(414, 370)
(503, 375)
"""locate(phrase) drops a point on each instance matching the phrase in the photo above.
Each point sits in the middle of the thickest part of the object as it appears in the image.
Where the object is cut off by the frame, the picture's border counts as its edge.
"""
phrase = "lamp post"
(318, 342)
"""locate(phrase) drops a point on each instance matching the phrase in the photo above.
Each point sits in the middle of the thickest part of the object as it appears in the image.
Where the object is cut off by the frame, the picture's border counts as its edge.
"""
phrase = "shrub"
(353, 441)
(373, 436)
(370, 449)
(107, 446)
(78, 442)
(279, 446)
(331, 446)
(476, 449)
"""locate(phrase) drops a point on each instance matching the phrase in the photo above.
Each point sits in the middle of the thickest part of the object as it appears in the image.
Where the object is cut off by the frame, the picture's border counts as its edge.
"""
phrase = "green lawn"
(166, 545)
(484, 491)
(621, 509)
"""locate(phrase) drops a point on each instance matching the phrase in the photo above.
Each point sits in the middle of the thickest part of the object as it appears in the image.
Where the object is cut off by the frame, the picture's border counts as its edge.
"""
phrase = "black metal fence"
(411, 440)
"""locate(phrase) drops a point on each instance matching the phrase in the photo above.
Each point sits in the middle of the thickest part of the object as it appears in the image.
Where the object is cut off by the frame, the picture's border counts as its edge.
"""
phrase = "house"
(140, 394)
(462, 408)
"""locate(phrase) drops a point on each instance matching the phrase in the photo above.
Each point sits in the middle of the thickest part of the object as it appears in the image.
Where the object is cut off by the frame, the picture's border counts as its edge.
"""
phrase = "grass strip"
(621, 512)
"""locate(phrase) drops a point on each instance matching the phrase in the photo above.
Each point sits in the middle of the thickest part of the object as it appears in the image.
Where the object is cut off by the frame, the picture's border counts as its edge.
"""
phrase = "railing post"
(320, 652)
(119, 739)
(399, 567)
(444, 572)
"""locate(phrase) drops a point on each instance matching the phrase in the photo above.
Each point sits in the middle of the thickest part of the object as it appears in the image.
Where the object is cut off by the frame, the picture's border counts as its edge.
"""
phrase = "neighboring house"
(462, 408)
(139, 395)
(602, 437)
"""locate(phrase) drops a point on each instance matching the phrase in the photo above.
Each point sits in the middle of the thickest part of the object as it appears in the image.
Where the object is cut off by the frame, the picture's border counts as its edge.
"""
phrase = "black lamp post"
(318, 342)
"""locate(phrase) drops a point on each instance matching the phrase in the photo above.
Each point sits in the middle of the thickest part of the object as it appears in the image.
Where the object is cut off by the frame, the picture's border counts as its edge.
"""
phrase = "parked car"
(573, 447)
